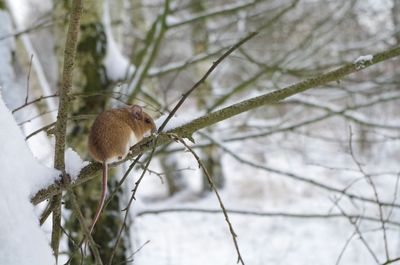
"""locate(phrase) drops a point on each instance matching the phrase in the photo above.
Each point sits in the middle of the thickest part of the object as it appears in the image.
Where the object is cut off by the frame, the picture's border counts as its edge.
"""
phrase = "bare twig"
(132, 198)
(203, 79)
(48, 127)
(179, 66)
(85, 228)
(33, 101)
(227, 9)
(45, 214)
(396, 188)
(262, 214)
(36, 116)
(130, 258)
(70, 238)
(372, 184)
(113, 94)
(45, 24)
(28, 78)
(346, 244)
(114, 192)
(213, 187)
(357, 230)
(341, 191)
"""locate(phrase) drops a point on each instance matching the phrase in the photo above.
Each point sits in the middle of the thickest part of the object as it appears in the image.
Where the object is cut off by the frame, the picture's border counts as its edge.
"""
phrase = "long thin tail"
(103, 195)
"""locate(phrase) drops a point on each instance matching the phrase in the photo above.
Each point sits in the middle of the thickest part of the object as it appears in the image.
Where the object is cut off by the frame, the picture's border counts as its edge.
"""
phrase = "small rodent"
(112, 134)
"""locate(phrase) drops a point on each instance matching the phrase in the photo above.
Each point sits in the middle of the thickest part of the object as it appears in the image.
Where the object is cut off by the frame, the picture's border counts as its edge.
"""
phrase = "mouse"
(112, 134)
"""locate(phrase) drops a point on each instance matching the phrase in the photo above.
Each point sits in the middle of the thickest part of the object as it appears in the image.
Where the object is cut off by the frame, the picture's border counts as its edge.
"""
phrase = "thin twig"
(111, 94)
(222, 10)
(132, 198)
(396, 188)
(262, 214)
(357, 230)
(33, 101)
(203, 79)
(213, 187)
(130, 258)
(346, 244)
(45, 24)
(36, 116)
(343, 191)
(28, 78)
(372, 184)
(70, 238)
(114, 192)
(85, 228)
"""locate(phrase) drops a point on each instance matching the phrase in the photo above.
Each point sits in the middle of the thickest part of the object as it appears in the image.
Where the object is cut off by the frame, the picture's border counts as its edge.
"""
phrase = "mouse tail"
(103, 195)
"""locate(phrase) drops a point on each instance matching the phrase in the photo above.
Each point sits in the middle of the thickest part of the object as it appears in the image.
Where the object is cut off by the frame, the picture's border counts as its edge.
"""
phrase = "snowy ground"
(203, 238)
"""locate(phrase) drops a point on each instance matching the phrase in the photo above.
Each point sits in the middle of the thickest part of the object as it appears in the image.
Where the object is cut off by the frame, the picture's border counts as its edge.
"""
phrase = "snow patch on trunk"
(117, 65)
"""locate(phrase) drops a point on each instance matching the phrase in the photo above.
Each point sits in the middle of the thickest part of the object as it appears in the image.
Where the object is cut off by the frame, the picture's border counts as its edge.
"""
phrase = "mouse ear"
(137, 112)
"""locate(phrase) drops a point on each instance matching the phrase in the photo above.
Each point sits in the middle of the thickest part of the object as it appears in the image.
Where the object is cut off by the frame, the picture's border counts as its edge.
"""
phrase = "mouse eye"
(147, 120)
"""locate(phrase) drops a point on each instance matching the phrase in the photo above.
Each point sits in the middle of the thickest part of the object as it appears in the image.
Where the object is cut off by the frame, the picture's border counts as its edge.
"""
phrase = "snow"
(175, 121)
(171, 20)
(20, 7)
(6, 48)
(363, 59)
(22, 241)
(18, 11)
(73, 163)
(360, 61)
(117, 65)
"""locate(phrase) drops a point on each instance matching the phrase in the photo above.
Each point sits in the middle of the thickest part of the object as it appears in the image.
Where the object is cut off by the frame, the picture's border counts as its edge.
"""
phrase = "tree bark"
(63, 110)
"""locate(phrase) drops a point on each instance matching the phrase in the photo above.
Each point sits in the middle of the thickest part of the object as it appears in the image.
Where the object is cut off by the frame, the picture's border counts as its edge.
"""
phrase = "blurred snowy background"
(311, 180)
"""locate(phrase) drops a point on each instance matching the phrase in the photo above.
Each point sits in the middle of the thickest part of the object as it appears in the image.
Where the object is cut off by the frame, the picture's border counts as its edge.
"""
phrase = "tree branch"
(61, 123)
(203, 79)
(188, 129)
(263, 214)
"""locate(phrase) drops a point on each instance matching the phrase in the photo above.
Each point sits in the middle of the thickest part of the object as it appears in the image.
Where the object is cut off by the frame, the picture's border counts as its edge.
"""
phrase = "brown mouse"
(112, 134)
